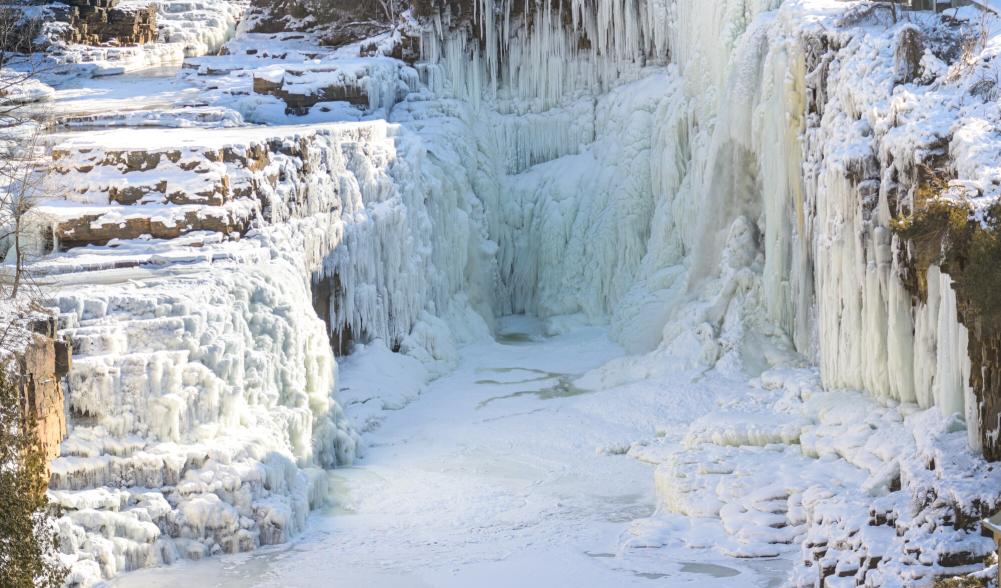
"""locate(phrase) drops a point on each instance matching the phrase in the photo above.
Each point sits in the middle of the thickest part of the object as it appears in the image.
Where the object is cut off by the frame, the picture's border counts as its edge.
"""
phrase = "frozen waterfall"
(713, 183)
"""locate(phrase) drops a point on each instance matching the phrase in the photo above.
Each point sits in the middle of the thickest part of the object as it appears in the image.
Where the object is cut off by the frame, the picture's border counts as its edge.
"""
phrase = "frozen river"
(501, 473)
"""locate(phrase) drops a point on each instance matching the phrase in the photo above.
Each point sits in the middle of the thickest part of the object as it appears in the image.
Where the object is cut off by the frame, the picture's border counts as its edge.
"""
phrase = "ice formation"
(201, 389)
(719, 136)
(726, 204)
(737, 209)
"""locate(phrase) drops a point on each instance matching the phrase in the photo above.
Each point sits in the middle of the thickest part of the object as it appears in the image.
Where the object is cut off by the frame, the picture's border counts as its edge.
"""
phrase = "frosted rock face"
(185, 28)
(730, 152)
(732, 171)
(201, 393)
(370, 84)
(338, 21)
(762, 232)
(210, 399)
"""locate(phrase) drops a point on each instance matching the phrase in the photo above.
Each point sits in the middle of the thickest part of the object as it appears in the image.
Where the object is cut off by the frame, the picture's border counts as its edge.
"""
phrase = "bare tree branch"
(21, 174)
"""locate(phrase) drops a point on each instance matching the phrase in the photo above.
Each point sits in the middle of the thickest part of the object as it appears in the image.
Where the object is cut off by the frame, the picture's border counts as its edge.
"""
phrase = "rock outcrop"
(159, 193)
(379, 83)
(41, 366)
(299, 101)
(97, 22)
(341, 21)
(200, 398)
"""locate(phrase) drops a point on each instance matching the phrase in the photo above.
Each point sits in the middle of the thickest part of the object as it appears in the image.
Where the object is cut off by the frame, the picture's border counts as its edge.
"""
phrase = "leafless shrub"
(391, 8)
(973, 40)
(21, 179)
(986, 88)
(20, 144)
(870, 13)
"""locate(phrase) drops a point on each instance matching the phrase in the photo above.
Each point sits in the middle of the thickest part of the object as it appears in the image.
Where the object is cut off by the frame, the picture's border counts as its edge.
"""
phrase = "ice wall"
(803, 146)
(860, 175)
(588, 81)
(417, 243)
(200, 418)
(574, 230)
(747, 187)
(736, 208)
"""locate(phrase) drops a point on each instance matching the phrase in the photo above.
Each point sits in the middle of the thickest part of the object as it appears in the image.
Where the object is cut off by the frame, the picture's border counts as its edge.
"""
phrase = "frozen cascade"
(655, 154)
(566, 178)
(201, 395)
(792, 249)
(733, 149)
(794, 148)
(719, 135)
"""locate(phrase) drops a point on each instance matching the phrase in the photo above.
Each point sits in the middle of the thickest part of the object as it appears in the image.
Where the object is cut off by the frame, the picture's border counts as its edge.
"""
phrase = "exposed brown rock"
(327, 290)
(42, 366)
(88, 230)
(299, 103)
(100, 22)
(908, 53)
(344, 21)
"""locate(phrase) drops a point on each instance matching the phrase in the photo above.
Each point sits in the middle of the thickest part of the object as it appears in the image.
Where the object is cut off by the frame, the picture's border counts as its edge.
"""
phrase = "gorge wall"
(779, 140)
(816, 174)
(208, 380)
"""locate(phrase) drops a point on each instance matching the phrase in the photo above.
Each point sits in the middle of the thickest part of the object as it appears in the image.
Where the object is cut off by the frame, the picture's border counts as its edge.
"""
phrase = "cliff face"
(339, 22)
(41, 367)
(928, 213)
(823, 175)
(94, 22)
(943, 235)
(826, 185)
(219, 378)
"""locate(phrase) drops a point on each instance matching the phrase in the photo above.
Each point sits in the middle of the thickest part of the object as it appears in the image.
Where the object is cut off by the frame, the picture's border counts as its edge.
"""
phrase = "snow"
(485, 480)
(496, 473)
(20, 89)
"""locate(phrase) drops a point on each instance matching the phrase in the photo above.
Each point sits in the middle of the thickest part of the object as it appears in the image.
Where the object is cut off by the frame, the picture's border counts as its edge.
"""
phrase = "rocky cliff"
(42, 365)
(96, 22)
(339, 22)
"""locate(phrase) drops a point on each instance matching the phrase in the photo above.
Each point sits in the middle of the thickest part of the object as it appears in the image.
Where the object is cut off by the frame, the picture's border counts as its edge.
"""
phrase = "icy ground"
(499, 473)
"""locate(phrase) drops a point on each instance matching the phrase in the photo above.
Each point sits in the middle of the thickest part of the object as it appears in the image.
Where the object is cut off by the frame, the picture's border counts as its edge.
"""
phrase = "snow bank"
(854, 486)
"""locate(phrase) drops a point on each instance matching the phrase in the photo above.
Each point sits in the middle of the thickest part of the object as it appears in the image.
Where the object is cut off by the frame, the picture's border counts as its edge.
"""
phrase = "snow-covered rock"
(203, 373)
